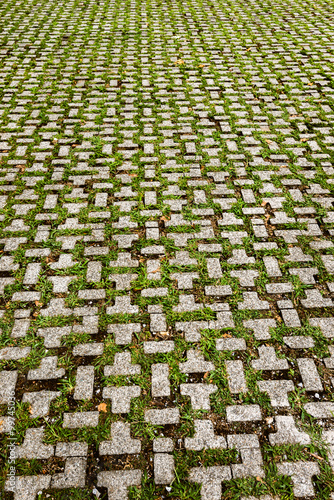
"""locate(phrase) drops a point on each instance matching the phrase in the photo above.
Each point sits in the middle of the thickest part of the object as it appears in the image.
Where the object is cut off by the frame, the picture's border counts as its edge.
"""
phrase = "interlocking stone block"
(27, 487)
(74, 475)
(199, 394)
(121, 442)
(118, 482)
(121, 397)
(211, 480)
(204, 437)
(163, 468)
(287, 432)
(301, 475)
(277, 390)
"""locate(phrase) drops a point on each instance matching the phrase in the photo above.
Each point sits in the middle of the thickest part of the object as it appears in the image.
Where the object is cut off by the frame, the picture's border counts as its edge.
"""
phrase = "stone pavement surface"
(167, 263)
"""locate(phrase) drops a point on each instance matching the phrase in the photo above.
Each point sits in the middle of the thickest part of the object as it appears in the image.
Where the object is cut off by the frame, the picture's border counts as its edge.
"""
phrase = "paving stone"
(252, 301)
(245, 277)
(277, 390)
(162, 417)
(39, 402)
(123, 333)
(92, 349)
(47, 370)
(122, 365)
(309, 374)
(154, 347)
(243, 413)
(230, 344)
(84, 382)
(261, 327)
(211, 480)
(27, 487)
(74, 475)
(249, 448)
(204, 437)
(79, 420)
(235, 376)
(33, 446)
(199, 394)
(301, 475)
(163, 468)
(287, 432)
(8, 381)
(157, 259)
(195, 363)
(120, 442)
(320, 409)
(268, 360)
(299, 342)
(118, 482)
(121, 397)
(73, 449)
(326, 325)
(160, 386)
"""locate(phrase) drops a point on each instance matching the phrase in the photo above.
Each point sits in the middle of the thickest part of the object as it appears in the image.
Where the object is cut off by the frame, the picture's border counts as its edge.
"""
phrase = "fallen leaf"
(38, 304)
(226, 335)
(316, 456)
(102, 407)
(258, 478)
(164, 218)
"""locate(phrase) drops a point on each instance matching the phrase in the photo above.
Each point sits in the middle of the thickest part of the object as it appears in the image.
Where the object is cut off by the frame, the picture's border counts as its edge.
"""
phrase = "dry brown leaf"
(316, 456)
(102, 407)
(38, 304)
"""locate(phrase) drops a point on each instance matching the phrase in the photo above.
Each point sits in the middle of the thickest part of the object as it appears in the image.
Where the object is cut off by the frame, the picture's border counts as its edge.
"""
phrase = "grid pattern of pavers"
(166, 259)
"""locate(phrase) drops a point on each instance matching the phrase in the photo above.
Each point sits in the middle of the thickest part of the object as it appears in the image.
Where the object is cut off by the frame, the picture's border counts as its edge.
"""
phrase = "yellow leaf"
(102, 407)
